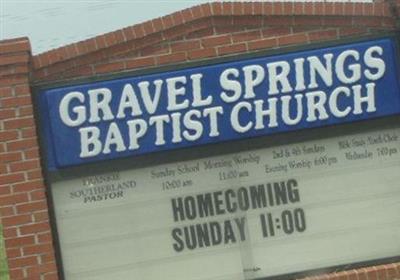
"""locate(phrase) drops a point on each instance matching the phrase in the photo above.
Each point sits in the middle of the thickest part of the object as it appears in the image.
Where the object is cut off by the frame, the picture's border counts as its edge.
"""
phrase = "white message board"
(245, 215)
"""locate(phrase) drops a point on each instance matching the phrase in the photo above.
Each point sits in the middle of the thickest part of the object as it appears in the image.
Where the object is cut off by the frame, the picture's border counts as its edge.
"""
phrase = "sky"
(54, 23)
(51, 24)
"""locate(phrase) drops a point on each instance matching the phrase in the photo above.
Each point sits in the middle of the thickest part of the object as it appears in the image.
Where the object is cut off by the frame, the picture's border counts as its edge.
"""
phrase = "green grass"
(3, 260)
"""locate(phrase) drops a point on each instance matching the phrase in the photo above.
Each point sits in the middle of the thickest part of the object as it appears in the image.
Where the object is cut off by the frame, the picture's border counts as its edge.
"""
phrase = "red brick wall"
(23, 205)
(211, 30)
(202, 32)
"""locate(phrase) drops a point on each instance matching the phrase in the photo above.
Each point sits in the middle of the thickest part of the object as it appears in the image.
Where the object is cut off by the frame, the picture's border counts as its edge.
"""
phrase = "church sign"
(220, 102)
(272, 165)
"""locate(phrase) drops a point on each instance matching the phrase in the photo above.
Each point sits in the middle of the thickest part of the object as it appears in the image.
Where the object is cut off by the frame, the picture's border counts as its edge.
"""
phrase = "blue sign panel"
(226, 101)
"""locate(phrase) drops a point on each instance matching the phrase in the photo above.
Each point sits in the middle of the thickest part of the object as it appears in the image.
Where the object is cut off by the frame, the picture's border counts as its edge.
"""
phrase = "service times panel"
(245, 215)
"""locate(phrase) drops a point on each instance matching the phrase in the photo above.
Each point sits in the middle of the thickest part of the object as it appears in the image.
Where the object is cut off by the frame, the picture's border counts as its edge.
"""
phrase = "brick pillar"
(23, 204)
